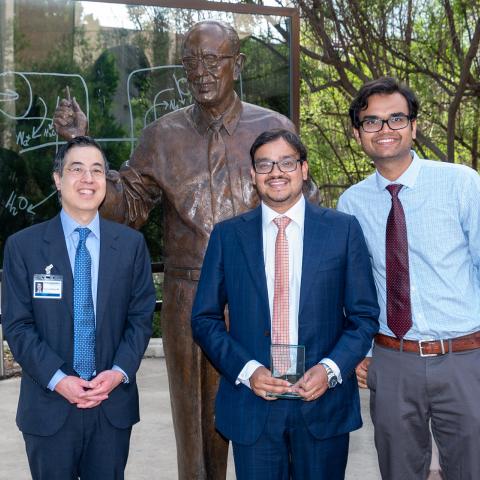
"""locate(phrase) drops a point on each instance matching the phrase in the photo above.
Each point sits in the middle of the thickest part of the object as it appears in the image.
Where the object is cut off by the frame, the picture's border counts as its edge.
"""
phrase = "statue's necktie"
(220, 187)
(280, 321)
(399, 311)
(83, 313)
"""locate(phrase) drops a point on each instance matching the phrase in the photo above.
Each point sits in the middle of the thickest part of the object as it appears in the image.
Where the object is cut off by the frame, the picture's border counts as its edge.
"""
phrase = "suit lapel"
(249, 233)
(315, 241)
(55, 251)
(106, 268)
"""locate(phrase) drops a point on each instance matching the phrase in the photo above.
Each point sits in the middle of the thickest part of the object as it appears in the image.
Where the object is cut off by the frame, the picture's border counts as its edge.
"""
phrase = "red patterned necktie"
(399, 311)
(280, 321)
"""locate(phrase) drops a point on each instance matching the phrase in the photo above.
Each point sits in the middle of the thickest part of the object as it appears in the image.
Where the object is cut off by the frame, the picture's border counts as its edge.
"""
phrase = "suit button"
(266, 333)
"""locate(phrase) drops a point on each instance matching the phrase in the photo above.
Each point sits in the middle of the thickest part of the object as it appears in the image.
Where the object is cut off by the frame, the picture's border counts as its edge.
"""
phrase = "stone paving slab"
(152, 450)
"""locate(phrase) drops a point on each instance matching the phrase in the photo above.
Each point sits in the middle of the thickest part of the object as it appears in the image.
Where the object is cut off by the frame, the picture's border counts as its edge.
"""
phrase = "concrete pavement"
(152, 448)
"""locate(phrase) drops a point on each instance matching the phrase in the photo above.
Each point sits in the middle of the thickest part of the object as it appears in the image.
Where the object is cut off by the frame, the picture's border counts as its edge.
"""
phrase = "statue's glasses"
(394, 122)
(209, 60)
(285, 165)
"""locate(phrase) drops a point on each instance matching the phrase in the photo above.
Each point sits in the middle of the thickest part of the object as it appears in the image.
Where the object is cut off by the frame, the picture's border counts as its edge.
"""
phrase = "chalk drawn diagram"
(29, 110)
(163, 101)
(31, 114)
(37, 130)
(173, 96)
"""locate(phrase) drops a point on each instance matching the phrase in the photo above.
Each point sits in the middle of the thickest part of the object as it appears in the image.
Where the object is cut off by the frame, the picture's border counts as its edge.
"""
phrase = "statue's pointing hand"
(69, 120)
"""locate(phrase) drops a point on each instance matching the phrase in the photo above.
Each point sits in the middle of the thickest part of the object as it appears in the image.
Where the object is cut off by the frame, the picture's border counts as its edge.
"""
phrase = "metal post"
(2, 353)
(2, 357)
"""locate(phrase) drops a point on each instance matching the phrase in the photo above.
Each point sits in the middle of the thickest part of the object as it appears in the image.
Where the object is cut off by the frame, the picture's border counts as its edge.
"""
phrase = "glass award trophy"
(287, 363)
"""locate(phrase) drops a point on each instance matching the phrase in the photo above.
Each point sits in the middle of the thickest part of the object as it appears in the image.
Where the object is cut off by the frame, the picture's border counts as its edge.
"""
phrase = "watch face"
(331, 377)
(332, 382)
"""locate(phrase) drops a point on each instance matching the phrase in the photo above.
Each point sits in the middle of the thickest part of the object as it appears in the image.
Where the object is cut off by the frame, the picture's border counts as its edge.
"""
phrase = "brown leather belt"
(431, 348)
(192, 274)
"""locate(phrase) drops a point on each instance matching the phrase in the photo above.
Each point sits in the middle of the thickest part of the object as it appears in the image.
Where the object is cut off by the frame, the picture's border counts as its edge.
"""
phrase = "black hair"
(271, 135)
(80, 141)
(383, 86)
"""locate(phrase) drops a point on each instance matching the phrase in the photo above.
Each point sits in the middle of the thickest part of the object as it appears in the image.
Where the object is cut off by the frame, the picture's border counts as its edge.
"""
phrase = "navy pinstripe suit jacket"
(338, 314)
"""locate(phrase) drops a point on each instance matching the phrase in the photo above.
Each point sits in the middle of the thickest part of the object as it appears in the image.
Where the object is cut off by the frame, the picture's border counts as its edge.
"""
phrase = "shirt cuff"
(125, 376)
(247, 372)
(57, 376)
(333, 366)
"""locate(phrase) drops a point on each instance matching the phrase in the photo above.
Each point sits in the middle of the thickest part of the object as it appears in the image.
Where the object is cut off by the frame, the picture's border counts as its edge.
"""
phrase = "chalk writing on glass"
(36, 130)
(17, 203)
(173, 96)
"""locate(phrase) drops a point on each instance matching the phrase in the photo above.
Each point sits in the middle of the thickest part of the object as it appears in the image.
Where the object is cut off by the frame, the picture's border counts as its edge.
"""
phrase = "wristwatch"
(331, 377)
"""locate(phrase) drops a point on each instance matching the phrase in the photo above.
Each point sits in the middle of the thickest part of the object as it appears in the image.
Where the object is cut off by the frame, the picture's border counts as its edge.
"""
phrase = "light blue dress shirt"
(442, 211)
(93, 245)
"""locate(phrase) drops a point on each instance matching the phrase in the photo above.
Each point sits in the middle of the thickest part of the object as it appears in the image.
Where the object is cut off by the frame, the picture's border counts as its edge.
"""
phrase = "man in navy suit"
(78, 397)
(330, 308)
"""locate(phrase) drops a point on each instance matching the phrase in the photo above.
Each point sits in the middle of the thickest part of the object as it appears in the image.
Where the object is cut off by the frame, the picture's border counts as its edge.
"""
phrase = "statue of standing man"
(196, 161)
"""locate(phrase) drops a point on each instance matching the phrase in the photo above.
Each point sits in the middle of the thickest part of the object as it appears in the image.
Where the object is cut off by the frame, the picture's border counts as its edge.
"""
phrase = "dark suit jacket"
(40, 331)
(337, 317)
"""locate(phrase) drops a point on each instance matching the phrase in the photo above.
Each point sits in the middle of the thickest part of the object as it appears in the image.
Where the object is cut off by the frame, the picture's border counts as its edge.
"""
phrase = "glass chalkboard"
(121, 62)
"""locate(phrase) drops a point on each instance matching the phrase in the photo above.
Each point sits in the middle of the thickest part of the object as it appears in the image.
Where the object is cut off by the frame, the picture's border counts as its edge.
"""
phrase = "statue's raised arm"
(128, 199)
(69, 120)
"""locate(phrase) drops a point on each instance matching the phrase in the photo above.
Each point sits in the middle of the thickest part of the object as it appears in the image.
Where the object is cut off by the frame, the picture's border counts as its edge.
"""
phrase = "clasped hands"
(89, 394)
(311, 386)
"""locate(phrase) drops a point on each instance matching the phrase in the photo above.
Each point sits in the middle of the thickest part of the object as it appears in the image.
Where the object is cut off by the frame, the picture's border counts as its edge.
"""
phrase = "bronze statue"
(196, 161)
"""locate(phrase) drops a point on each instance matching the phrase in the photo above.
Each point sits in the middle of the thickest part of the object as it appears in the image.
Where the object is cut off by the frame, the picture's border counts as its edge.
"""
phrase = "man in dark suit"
(81, 341)
(292, 273)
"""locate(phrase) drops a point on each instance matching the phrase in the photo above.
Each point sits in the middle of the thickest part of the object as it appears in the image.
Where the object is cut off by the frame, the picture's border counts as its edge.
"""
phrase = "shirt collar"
(407, 178)
(295, 213)
(201, 120)
(69, 224)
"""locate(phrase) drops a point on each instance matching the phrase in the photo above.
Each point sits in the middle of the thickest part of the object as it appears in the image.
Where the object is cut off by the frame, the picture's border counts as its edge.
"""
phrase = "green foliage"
(266, 72)
(424, 44)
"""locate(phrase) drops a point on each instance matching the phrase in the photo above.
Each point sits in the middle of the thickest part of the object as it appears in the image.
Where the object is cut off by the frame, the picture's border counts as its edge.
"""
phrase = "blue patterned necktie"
(83, 313)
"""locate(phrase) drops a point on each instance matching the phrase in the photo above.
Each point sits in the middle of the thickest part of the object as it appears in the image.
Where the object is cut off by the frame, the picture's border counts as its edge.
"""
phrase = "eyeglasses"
(286, 165)
(77, 171)
(395, 122)
(210, 61)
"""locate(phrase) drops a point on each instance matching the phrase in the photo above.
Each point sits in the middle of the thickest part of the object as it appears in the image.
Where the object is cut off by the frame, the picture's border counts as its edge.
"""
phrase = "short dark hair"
(80, 141)
(384, 86)
(271, 135)
(229, 31)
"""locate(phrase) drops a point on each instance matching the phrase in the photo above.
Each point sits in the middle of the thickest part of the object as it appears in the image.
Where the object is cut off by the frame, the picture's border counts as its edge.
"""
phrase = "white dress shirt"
(294, 234)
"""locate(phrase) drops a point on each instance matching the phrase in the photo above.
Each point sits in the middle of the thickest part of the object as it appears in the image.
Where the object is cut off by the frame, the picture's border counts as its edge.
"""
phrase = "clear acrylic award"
(287, 363)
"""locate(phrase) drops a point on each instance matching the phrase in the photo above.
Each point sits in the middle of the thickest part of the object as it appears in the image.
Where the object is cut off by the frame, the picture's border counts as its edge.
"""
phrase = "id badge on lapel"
(47, 286)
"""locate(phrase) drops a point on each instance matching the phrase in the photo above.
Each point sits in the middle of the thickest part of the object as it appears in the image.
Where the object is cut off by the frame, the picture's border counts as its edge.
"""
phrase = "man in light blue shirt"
(81, 339)
(429, 373)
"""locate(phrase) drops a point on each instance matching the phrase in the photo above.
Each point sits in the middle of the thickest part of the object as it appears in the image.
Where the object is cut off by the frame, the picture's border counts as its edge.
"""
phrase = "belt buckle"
(421, 346)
